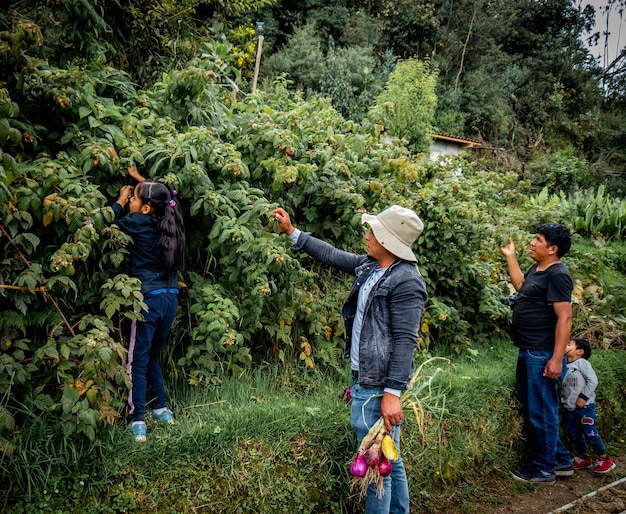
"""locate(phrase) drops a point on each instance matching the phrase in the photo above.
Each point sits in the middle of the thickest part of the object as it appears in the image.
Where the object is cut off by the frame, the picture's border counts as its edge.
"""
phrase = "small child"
(155, 223)
(578, 397)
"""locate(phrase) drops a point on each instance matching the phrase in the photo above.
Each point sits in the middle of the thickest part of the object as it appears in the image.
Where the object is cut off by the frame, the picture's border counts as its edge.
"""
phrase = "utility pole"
(260, 30)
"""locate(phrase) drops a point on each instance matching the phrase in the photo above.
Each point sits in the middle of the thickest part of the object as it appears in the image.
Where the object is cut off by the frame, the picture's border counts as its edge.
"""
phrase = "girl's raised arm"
(134, 173)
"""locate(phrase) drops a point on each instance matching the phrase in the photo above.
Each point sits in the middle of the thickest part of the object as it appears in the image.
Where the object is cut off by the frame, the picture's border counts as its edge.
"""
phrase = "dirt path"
(503, 495)
(507, 496)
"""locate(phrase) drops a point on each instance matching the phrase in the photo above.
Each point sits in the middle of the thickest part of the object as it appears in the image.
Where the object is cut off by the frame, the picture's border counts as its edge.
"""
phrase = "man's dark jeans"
(540, 403)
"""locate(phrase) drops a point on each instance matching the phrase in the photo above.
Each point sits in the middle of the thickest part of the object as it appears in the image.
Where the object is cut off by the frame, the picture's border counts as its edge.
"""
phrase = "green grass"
(272, 441)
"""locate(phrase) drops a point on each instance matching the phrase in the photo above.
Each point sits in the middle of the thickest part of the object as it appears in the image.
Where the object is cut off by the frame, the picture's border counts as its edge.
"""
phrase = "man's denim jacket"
(392, 315)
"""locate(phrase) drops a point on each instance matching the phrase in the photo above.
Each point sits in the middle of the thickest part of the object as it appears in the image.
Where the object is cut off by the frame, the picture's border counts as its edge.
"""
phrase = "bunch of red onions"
(373, 458)
(377, 450)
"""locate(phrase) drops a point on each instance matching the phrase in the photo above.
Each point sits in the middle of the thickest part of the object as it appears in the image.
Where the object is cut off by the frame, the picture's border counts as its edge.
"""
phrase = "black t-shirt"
(534, 319)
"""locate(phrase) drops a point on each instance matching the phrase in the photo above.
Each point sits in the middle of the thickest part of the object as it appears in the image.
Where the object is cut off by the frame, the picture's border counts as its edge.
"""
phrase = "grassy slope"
(278, 443)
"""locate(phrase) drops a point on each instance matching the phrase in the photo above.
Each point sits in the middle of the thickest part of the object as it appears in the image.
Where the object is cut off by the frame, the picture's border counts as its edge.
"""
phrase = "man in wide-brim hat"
(382, 316)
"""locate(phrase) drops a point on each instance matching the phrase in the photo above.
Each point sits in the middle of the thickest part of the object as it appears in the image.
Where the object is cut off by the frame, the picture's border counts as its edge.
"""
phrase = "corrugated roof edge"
(457, 139)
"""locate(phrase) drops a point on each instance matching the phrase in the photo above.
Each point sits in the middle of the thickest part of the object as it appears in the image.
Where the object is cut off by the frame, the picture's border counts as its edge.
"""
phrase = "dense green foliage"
(75, 112)
(516, 74)
(351, 76)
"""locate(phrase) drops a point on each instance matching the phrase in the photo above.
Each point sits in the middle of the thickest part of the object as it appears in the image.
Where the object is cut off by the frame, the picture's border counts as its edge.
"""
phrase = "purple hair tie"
(174, 192)
(172, 203)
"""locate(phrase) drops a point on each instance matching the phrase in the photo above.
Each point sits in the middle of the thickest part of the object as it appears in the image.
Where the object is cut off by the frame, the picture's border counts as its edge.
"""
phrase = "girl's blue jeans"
(146, 340)
(363, 416)
(539, 398)
(581, 425)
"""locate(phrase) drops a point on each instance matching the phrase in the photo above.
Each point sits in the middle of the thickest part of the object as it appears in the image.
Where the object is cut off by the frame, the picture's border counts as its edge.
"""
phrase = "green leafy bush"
(557, 171)
(407, 105)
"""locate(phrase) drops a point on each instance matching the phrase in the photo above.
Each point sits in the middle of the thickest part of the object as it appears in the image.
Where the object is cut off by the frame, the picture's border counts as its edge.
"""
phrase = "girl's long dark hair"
(168, 214)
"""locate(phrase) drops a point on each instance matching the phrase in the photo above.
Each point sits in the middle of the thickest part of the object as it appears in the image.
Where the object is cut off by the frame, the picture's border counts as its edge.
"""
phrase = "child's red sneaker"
(604, 465)
(582, 463)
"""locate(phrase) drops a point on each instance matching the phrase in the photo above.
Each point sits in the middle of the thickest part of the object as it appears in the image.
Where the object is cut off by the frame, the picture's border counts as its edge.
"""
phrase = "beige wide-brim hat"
(396, 229)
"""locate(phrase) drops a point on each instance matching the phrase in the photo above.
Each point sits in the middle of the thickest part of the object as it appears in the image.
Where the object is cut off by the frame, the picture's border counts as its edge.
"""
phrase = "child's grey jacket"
(580, 382)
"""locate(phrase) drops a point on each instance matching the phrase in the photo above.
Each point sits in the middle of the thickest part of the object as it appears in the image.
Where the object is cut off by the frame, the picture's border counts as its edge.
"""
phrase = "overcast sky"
(616, 28)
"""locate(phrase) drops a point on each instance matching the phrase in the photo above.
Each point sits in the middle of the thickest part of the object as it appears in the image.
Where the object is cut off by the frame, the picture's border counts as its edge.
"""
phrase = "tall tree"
(522, 69)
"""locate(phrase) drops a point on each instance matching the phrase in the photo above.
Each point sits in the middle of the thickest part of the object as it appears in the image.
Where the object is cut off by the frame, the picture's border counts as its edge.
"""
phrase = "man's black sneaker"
(564, 470)
(534, 476)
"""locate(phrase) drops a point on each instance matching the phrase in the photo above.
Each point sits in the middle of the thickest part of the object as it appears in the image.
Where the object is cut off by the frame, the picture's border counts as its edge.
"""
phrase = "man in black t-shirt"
(542, 321)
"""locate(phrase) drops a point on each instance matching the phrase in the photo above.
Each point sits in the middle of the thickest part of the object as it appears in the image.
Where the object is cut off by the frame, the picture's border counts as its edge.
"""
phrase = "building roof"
(465, 142)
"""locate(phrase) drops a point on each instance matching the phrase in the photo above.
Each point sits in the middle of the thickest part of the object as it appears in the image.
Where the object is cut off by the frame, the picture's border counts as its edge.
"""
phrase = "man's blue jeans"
(540, 404)
(363, 416)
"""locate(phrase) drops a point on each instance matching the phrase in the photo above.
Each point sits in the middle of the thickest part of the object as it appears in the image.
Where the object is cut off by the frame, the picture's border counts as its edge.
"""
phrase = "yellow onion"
(389, 448)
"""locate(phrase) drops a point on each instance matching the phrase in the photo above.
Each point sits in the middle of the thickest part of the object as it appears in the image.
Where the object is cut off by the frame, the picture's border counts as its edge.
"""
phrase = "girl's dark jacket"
(144, 261)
